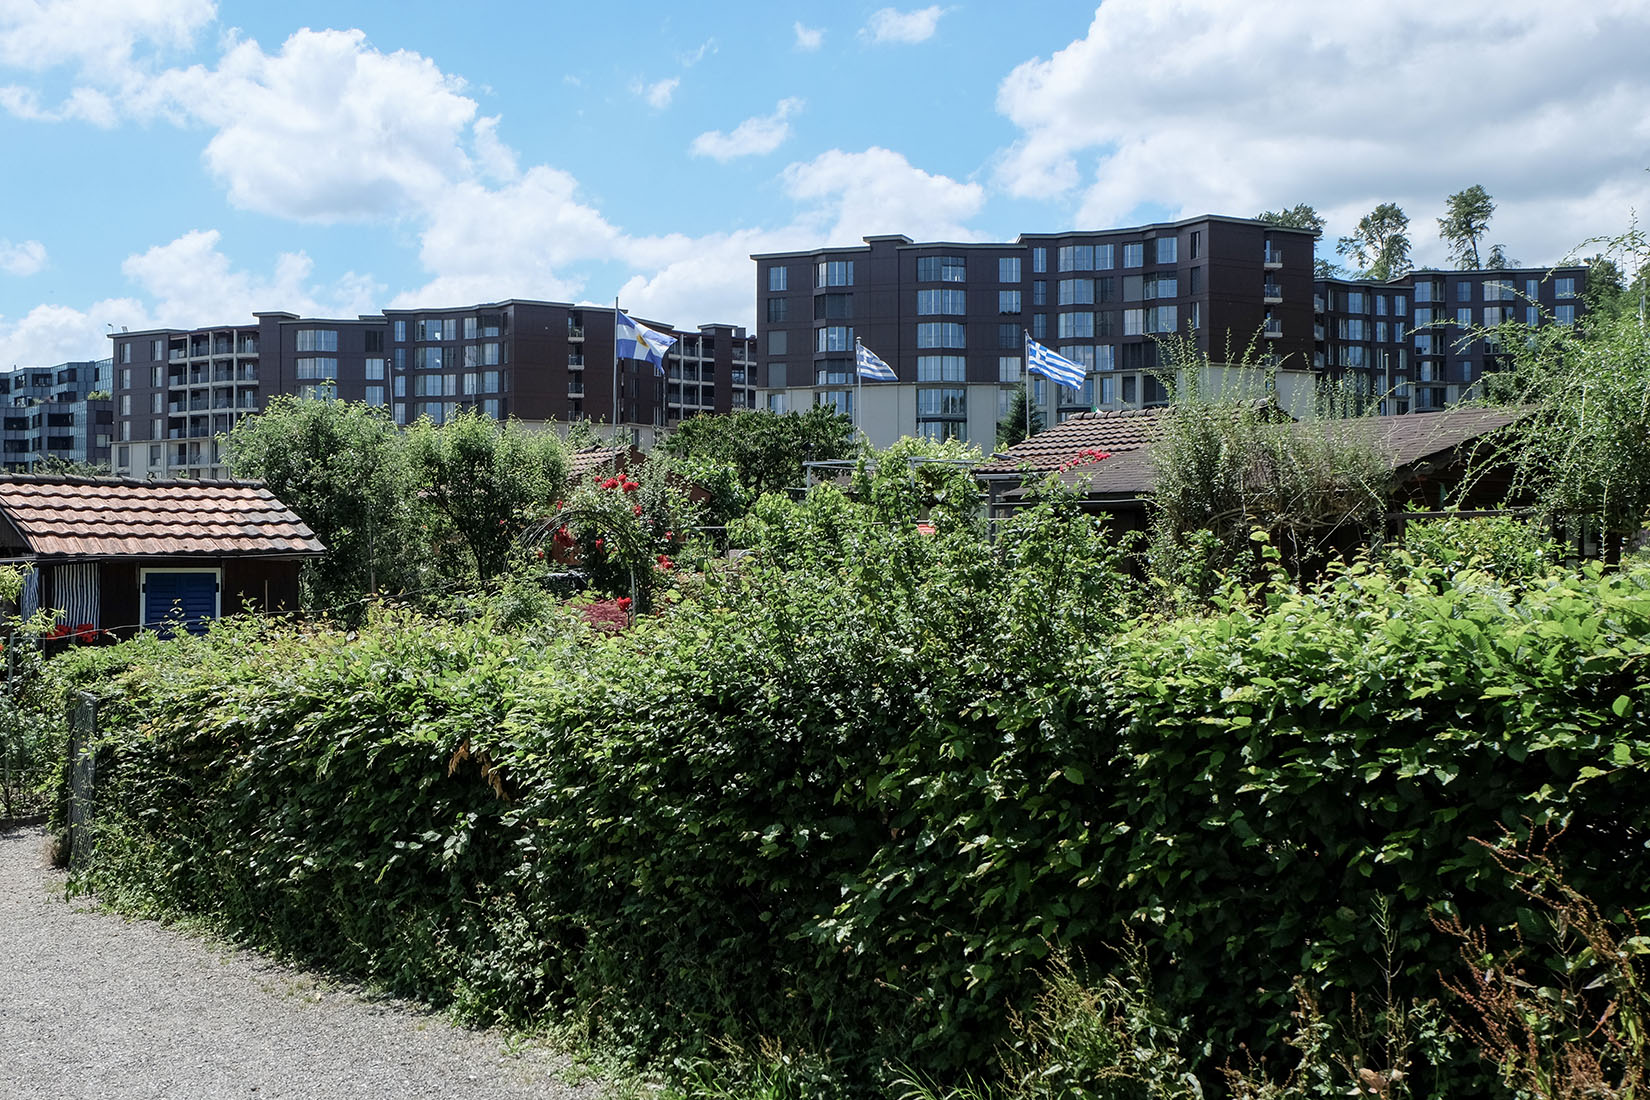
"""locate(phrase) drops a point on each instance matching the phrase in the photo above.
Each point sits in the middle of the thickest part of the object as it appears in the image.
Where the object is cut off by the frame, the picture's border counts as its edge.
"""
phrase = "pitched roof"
(106, 517)
(1411, 437)
(1112, 430)
(596, 458)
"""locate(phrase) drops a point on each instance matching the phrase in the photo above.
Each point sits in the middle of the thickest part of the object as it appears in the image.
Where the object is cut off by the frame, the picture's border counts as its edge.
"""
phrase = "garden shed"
(122, 555)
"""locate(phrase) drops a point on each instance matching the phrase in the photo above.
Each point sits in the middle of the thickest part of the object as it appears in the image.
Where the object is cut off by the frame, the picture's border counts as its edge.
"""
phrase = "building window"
(1496, 290)
(126, 352)
(401, 332)
(427, 358)
(1105, 357)
(839, 401)
(374, 368)
(1134, 322)
(490, 381)
(835, 338)
(1039, 260)
(940, 334)
(1161, 286)
(777, 278)
(833, 307)
(317, 339)
(950, 303)
(1463, 316)
(942, 368)
(1081, 354)
(941, 269)
(125, 378)
(1008, 336)
(1039, 292)
(157, 349)
(1009, 368)
(1075, 326)
(317, 367)
(1532, 315)
(1564, 314)
(376, 396)
(1162, 318)
(1167, 250)
(946, 401)
(1039, 326)
(1196, 243)
(776, 342)
(1076, 257)
(1076, 292)
(1008, 269)
(836, 273)
(1564, 288)
(776, 403)
(1134, 255)
(777, 308)
(1008, 301)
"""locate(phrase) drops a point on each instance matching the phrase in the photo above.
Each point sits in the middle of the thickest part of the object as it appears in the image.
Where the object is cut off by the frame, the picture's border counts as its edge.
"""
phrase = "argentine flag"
(1040, 360)
(634, 340)
(871, 368)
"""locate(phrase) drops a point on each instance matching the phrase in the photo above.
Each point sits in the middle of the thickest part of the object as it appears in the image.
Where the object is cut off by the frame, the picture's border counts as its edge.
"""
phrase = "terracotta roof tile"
(1112, 431)
(92, 517)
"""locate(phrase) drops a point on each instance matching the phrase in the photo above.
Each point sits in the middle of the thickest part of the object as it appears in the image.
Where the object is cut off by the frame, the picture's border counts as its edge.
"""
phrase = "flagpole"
(859, 384)
(615, 369)
(1025, 375)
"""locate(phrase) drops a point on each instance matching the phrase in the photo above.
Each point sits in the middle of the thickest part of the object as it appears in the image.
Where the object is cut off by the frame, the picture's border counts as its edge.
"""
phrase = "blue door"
(182, 599)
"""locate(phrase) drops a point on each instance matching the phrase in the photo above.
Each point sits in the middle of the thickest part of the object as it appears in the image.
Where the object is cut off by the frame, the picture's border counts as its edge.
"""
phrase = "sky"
(182, 163)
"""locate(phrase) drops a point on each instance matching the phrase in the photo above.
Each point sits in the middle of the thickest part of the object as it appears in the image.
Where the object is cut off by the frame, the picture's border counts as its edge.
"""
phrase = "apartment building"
(951, 318)
(1417, 342)
(177, 391)
(62, 412)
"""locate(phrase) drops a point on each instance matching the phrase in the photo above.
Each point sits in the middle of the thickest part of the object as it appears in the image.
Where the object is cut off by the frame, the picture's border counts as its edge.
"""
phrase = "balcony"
(575, 389)
(1273, 330)
(1272, 257)
(1317, 303)
(575, 360)
(1272, 293)
(575, 332)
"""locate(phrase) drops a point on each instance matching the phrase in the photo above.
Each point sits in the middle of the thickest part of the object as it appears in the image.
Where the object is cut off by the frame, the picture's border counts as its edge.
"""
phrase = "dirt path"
(92, 1005)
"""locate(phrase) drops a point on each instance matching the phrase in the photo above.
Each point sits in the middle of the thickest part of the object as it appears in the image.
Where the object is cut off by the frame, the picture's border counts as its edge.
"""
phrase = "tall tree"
(1465, 221)
(1303, 216)
(764, 450)
(1012, 428)
(342, 467)
(1380, 244)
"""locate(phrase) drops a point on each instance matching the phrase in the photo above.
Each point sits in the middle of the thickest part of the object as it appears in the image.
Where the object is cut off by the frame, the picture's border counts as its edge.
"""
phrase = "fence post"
(82, 778)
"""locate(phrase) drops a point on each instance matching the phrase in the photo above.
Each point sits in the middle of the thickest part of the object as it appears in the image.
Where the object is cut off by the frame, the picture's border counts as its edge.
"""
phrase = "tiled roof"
(1414, 436)
(1111, 431)
(102, 517)
(581, 464)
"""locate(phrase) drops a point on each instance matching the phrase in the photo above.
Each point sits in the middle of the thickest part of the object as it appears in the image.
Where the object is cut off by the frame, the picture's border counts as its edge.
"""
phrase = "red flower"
(598, 544)
(541, 555)
(630, 486)
(56, 632)
(669, 535)
(85, 633)
(637, 509)
(664, 561)
(560, 504)
(624, 603)
(611, 483)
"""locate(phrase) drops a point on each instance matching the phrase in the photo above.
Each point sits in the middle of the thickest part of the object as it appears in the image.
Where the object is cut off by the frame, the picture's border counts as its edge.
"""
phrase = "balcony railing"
(575, 332)
(1274, 329)
(1272, 292)
(1272, 257)
(575, 389)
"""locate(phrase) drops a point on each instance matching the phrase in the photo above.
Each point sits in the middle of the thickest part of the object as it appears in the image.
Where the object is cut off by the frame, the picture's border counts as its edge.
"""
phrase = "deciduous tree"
(1380, 244)
(1466, 219)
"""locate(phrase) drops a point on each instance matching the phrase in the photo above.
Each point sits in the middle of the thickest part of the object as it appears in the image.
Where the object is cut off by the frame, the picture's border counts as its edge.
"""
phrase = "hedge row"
(850, 800)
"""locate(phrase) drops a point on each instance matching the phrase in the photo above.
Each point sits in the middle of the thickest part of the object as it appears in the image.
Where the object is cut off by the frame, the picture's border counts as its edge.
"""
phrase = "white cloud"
(879, 191)
(892, 25)
(98, 36)
(1113, 122)
(809, 38)
(52, 334)
(193, 283)
(706, 48)
(328, 129)
(658, 94)
(754, 136)
(23, 258)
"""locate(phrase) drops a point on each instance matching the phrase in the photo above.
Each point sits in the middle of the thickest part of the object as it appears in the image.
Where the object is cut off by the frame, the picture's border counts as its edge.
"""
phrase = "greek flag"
(634, 340)
(871, 368)
(1040, 360)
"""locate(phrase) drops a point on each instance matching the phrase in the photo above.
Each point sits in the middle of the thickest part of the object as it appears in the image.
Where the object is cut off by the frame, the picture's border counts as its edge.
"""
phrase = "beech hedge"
(850, 798)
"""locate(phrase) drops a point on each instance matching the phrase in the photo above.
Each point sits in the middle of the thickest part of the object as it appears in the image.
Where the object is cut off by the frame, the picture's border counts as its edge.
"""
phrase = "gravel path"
(92, 1005)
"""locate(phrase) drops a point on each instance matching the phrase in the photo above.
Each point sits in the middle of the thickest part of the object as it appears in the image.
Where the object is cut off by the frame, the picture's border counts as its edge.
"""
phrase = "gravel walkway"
(92, 1005)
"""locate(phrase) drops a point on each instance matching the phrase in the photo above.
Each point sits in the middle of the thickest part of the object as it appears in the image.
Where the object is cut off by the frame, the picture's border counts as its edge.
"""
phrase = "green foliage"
(342, 467)
(1509, 548)
(1023, 419)
(633, 532)
(1466, 219)
(1304, 216)
(757, 451)
(479, 479)
(1380, 244)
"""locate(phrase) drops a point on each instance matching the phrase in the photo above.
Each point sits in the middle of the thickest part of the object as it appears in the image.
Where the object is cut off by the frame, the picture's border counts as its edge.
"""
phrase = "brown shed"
(121, 555)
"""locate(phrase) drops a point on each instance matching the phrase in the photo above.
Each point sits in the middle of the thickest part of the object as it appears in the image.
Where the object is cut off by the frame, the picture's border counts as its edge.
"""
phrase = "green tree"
(764, 450)
(479, 479)
(1380, 244)
(1466, 219)
(1303, 216)
(1012, 428)
(342, 467)
(1605, 293)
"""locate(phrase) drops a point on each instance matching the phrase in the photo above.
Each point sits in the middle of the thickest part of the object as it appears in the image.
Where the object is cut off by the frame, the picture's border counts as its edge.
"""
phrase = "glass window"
(1008, 336)
(126, 353)
(1134, 322)
(1463, 291)
(1463, 316)
(1039, 325)
(376, 396)
(949, 401)
(948, 302)
(1399, 305)
(401, 332)
(1134, 255)
(1039, 292)
(777, 277)
(1074, 292)
(943, 368)
(1081, 354)
(1009, 368)
(835, 338)
(940, 334)
(1163, 318)
(1355, 302)
(777, 309)
(941, 269)
(1039, 260)
(1008, 269)
(1008, 301)
(1075, 325)
(426, 358)
(1167, 250)
(1076, 257)
(490, 382)
(1532, 315)
(776, 341)
(835, 273)
(1162, 286)
(1564, 288)
(1196, 243)
(1105, 357)
(1103, 257)
(1564, 314)
(317, 367)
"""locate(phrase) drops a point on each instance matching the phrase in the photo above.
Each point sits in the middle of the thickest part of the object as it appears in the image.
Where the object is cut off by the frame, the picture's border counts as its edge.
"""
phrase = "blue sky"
(184, 162)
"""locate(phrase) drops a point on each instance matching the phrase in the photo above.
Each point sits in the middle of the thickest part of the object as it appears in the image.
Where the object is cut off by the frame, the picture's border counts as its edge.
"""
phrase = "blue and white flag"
(634, 340)
(1057, 368)
(871, 368)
